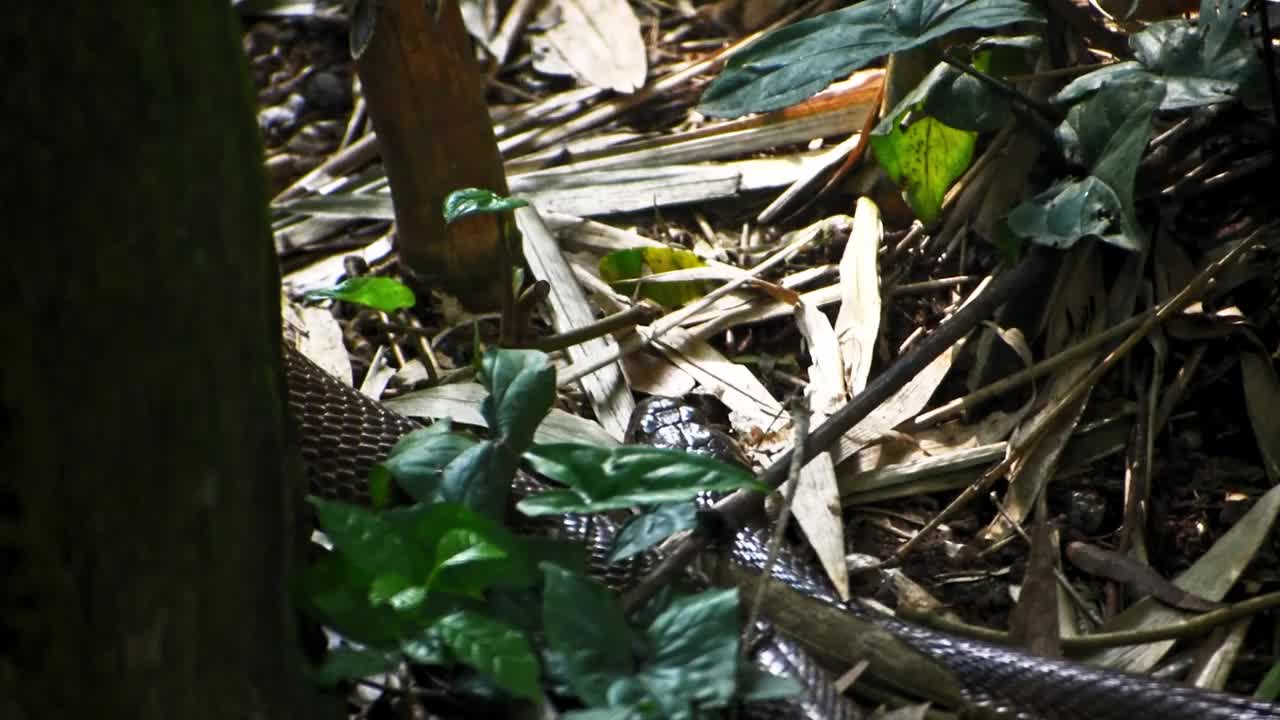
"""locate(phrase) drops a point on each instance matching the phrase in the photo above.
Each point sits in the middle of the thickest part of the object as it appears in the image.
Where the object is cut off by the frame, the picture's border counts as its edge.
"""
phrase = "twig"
(960, 405)
(800, 420)
(740, 507)
(1175, 304)
(1098, 641)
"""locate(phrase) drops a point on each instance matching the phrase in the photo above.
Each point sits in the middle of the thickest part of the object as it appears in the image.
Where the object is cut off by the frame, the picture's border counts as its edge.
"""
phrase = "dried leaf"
(599, 41)
(858, 323)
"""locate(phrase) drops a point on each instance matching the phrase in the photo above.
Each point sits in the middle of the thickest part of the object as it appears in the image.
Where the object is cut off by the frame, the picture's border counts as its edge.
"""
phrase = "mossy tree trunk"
(148, 485)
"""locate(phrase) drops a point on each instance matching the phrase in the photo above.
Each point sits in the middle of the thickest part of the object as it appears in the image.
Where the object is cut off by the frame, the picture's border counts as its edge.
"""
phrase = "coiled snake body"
(344, 433)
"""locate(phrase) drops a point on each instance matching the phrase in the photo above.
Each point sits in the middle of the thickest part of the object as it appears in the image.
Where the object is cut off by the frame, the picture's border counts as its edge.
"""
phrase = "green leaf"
(495, 649)
(335, 592)
(386, 587)
(380, 482)
(920, 154)
(418, 460)
(372, 541)
(1108, 134)
(480, 478)
(695, 661)
(476, 201)
(1066, 212)
(635, 263)
(961, 101)
(459, 547)
(602, 479)
(349, 663)
(794, 62)
(584, 624)
(646, 530)
(522, 386)
(379, 293)
(1198, 64)
(469, 552)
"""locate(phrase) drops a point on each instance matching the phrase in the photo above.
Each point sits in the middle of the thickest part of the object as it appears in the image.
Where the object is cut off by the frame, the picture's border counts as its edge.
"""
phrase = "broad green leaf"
(584, 624)
(418, 460)
(1066, 212)
(386, 587)
(611, 479)
(920, 154)
(461, 547)
(644, 531)
(522, 386)
(794, 62)
(474, 201)
(1198, 64)
(1108, 133)
(695, 660)
(380, 293)
(480, 478)
(372, 541)
(470, 552)
(337, 593)
(636, 263)
(349, 663)
(963, 102)
(495, 649)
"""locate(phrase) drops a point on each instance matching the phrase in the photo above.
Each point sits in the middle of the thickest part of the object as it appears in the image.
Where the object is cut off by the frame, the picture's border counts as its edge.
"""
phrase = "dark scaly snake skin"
(344, 433)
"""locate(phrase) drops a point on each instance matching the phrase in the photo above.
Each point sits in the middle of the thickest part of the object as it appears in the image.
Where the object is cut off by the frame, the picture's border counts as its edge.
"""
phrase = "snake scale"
(344, 433)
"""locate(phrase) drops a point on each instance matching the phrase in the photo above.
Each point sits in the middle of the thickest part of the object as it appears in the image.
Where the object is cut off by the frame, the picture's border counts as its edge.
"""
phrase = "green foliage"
(379, 293)
(927, 141)
(1209, 62)
(1106, 134)
(794, 62)
(602, 479)
(476, 201)
(444, 582)
(648, 529)
(920, 153)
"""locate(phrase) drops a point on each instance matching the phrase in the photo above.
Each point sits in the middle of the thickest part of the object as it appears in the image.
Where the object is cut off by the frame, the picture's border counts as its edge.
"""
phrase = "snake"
(344, 433)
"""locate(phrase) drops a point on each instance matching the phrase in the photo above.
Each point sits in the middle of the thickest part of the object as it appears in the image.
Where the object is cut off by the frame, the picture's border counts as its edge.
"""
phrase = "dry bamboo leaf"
(827, 390)
(1213, 668)
(324, 273)
(648, 373)
(752, 409)
(316, 334)
(858, 323)
(599, 42)
(606, 390)
(816, 507)
(816, 504)
(1211, 577)
(603, 192)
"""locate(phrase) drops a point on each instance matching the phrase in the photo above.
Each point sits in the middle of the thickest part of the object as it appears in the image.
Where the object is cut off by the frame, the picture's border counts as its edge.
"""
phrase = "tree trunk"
(426, 98)
(148, 485)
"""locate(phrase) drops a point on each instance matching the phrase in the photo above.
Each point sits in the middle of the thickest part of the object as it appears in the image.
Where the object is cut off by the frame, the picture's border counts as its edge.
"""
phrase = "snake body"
(344, 433)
